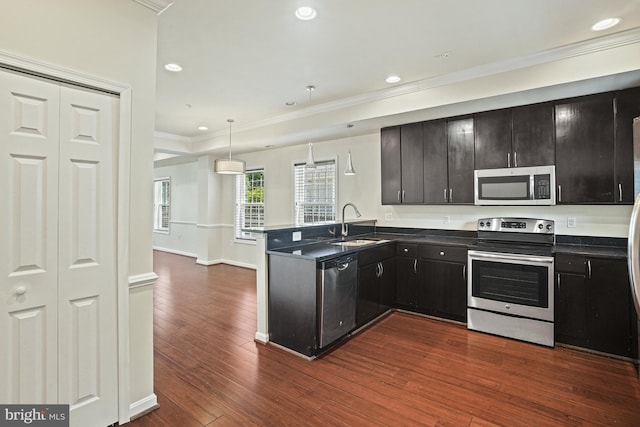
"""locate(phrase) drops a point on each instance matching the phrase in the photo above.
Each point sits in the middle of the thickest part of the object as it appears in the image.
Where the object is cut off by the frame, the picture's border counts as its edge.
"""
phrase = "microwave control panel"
(542, 186)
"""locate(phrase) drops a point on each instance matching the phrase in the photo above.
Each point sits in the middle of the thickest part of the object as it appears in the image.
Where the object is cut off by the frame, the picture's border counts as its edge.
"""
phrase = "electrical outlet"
(571, 222)
(388, 216)
(446, 219)
(296, 236)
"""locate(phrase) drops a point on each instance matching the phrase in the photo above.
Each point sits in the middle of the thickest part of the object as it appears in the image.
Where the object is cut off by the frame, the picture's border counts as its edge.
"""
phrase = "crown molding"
(158, 6)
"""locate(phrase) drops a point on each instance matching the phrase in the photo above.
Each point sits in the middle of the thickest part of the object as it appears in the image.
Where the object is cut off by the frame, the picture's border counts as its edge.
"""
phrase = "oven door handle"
(520, 257)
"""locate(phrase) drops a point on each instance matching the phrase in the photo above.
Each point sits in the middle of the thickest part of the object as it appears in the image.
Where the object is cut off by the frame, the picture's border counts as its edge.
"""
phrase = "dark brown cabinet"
(460, 160)
(436, 175)
(626, 108)
(376, 283)
(391, 165)
(593, 305)
(406, 276)
(442, 283)
(515, 137)
(402, 164)
(533, 135)
(585, 150)
(493, 139)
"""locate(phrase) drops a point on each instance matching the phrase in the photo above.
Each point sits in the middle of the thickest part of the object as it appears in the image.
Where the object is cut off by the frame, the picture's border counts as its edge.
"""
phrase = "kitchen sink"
(356, 243)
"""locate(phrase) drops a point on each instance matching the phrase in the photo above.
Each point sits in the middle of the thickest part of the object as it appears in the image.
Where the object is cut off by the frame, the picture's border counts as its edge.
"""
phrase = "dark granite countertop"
(324, 250)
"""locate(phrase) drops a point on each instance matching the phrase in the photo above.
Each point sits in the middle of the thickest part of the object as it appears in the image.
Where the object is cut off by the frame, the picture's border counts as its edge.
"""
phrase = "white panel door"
(87, 314)
(29, 117)
(58, 317)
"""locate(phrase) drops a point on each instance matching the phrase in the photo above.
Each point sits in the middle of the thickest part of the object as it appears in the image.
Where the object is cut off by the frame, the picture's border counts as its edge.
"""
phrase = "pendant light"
(229, 166)
(311, 164)
(349, 170)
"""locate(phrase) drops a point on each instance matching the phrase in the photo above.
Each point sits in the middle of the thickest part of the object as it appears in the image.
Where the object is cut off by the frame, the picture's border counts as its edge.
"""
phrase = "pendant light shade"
(349, 170)
(311, 163)
(229, 166)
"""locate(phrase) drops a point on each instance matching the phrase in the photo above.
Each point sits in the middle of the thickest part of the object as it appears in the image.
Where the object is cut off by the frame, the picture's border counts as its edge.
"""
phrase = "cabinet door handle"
(620, 192)
(381, 269)
(464, 272)
(402, 196)
(558, 281)
(398, 196)
(451, 195)
(559, 193)
(508, 160)
(445, 194)
(515, 159)
(415, 266)
(589, 268)
(406, 250)
(442, 253)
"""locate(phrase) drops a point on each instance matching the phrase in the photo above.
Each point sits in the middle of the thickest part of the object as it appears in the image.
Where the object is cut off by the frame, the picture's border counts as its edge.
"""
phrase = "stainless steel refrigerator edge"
(633, 252)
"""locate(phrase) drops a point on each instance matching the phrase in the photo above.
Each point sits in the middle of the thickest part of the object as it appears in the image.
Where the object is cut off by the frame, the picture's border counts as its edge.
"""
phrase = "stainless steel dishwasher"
(338, 295)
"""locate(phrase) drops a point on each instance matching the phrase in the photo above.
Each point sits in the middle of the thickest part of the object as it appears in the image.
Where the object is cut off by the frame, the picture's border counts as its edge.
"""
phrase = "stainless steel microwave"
(515, 186)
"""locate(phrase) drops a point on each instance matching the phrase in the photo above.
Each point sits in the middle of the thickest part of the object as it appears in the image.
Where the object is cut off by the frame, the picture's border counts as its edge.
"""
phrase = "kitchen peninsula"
(423, 271)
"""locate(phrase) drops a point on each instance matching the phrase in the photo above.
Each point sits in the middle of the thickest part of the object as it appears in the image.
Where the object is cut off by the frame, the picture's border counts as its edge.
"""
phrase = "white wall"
(113, 40)
(183, 235)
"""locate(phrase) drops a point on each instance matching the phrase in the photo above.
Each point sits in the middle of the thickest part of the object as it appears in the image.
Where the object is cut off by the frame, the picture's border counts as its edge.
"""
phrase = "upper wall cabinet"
(460, 160)
(402, 151)
(436, 178)
(585, 150)
(626, 108)
(515, 137)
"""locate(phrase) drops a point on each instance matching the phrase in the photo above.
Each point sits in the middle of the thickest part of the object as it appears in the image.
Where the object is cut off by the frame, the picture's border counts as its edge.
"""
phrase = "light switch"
(297, 236)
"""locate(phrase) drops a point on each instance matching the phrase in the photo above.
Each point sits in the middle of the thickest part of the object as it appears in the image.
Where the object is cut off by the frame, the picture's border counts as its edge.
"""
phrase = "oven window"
(511, 283)
(504, 188)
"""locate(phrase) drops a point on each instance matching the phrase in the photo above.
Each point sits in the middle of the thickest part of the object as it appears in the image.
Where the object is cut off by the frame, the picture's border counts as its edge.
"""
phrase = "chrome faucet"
(345, 229)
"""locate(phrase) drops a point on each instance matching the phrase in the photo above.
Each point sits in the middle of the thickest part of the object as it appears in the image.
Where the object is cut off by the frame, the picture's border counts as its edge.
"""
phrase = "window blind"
(249, 203)
(315, 193)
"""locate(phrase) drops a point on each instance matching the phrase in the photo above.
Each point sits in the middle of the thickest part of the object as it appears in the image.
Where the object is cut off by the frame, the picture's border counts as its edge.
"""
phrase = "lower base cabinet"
(406, 296)
(593, 307)
(442, 283)
(376, 288)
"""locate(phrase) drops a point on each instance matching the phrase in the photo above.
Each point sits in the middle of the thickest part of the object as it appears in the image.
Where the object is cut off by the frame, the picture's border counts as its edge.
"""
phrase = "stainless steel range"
(510, 279)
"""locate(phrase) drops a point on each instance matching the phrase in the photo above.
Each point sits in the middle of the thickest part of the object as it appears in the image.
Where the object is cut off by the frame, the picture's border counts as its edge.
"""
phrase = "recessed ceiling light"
(392, 79)
(173, 67)
(605, 24)
(203, 128)
(306, 13)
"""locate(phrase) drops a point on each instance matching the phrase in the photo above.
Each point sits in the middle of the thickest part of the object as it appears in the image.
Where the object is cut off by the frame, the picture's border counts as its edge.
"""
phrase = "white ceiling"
(243, 59)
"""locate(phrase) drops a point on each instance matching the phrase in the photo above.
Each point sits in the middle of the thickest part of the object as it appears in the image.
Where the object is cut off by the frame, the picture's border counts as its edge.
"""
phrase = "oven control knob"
(481, 224)
(549, 227)
(488, 224)
(540, 226)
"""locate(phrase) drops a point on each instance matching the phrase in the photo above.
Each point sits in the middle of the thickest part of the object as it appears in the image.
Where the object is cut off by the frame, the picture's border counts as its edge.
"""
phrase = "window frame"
(334, 204)
(157, 214)
(239, 219)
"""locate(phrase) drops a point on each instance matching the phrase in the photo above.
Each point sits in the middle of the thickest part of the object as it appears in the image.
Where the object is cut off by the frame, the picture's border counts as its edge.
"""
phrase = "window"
(315, 193)
(161, 204)
(249, 203)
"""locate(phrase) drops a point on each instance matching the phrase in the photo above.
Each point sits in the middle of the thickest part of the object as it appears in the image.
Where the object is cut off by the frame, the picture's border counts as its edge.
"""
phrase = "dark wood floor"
(405, 370)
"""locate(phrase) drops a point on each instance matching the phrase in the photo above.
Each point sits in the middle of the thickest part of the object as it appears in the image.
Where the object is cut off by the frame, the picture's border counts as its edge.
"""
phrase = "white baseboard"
(225, 261)
(142, 406)
(175, 251)
(208, 262)
(262, 337)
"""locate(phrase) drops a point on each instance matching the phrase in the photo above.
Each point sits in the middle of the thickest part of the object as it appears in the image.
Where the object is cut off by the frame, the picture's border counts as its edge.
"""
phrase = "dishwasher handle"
(340, 264)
